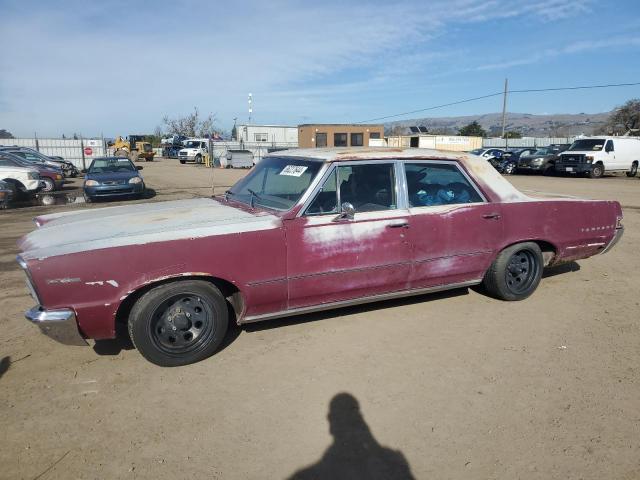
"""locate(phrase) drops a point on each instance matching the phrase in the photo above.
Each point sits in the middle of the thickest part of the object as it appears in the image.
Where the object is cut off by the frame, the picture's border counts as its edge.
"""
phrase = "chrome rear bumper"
(616, 238)
(60, 324)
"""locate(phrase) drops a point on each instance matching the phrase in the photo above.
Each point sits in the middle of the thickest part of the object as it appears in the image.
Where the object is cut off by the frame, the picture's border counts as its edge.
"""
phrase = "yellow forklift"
(135, 147)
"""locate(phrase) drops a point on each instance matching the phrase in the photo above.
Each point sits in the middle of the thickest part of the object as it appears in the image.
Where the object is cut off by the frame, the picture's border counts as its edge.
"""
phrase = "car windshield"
(592, 145)
(276, 182)
(192, 144)
(543, 151)
(111, 165)
(477, 151)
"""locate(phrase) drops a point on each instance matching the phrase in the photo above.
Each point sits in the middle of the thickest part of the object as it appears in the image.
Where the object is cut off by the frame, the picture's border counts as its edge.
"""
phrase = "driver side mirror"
(347, 213)
(139, 167)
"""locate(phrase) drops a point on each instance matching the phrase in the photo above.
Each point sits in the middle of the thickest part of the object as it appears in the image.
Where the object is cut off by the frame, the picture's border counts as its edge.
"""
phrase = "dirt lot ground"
(457, 384)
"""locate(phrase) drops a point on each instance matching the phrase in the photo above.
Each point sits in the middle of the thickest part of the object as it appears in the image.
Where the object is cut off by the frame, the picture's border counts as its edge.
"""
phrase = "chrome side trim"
(357, 301)
(616, 238)
(60, 324)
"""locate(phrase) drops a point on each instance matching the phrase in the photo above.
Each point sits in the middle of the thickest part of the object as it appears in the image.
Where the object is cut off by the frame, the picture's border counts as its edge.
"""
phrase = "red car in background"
(305, 230)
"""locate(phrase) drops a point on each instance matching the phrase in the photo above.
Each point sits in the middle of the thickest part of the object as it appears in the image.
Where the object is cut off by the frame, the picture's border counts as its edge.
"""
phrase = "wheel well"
(19, 185)
(549, 250)
(229, 291)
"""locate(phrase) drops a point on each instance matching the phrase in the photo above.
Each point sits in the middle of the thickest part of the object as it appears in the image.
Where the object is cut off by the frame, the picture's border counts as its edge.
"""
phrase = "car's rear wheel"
(510, 168)
(515, 273)
(179, 323)
(633, 170)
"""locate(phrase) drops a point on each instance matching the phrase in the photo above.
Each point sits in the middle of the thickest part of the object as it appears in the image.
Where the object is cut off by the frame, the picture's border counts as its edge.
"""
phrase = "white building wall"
(268, 133)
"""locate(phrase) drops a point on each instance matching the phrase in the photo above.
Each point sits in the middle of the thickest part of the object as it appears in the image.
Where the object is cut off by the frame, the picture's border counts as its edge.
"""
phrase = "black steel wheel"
(179, 323)
(633, 170)
(516, 272)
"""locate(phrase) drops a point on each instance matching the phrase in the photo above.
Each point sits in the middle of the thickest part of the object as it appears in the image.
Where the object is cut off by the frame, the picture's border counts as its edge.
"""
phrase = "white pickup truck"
(20, 180)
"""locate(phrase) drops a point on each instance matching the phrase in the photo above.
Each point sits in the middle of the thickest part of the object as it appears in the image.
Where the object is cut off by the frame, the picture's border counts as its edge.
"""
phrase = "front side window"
(340, 139)
(276, 182)
(356, 139)
(368, 187)
(609, 146)
(430, 184)
(326, 200)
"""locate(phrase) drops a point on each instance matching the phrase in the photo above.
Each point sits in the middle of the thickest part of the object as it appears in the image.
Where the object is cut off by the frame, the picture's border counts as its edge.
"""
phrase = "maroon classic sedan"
(305, 230)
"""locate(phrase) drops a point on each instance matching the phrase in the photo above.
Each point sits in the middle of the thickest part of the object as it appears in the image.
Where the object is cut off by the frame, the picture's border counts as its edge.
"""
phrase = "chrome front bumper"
(60, 324)
(616, 238)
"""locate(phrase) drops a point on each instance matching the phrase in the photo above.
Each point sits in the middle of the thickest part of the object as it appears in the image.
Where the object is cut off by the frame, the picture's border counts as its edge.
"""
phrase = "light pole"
(250, 100)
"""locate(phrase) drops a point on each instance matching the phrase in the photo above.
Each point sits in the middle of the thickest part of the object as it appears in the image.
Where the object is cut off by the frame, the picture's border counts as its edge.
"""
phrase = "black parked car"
(68, 169)
(509, 161)
(542, 160)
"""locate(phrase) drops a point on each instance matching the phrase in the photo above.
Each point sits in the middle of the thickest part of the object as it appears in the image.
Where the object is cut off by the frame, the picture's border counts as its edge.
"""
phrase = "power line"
(529, 90)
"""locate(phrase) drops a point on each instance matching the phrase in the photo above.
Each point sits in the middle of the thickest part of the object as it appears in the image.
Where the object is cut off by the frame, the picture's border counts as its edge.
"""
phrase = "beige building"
(436, 142)
(338, 135)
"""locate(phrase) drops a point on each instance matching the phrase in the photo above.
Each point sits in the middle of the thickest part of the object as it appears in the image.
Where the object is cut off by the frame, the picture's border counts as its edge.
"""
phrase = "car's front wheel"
(179, 323)
(515, 273)
(49, 186)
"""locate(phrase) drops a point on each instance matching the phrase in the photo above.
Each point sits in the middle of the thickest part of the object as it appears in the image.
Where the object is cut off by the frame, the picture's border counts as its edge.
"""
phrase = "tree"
(512, 134)
(625, 117)
(5, 134)
(474, 129)
(191, 125)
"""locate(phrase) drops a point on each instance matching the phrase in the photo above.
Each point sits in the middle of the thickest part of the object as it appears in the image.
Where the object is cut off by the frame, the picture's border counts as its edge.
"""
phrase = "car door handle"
(398, 225)
(491, 216)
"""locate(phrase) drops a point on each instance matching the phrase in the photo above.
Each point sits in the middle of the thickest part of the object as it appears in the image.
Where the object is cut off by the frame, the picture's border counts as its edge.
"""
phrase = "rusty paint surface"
(93, 260)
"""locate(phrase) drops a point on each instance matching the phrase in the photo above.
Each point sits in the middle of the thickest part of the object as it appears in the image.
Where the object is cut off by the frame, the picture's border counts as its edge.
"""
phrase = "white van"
(194, 150)
(596, 155)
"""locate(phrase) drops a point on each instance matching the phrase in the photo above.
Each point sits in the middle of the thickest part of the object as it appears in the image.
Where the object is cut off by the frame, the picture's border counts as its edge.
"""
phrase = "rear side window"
(430, 184)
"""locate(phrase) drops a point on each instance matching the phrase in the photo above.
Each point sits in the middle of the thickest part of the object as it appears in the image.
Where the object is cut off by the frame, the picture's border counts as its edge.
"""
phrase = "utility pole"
(250, 101)
(504, 105)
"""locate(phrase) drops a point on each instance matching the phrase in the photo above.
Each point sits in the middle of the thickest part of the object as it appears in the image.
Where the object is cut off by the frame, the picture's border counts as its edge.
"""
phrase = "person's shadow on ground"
(355, 453)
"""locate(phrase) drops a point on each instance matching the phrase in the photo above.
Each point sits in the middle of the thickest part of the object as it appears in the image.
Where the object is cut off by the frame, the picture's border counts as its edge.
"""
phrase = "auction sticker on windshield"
(293, 170)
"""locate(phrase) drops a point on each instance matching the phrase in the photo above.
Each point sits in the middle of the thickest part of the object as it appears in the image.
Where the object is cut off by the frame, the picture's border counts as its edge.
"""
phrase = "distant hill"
(529, 125)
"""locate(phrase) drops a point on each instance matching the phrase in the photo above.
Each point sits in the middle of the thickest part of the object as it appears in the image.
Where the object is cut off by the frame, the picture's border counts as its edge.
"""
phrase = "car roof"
(370, 153)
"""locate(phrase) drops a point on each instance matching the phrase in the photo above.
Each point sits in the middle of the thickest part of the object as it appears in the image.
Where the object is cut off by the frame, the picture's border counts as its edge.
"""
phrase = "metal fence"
(524, 142)
(80, 152)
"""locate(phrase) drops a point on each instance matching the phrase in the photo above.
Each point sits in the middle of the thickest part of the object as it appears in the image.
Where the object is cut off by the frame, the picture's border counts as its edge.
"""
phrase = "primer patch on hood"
(92, 229)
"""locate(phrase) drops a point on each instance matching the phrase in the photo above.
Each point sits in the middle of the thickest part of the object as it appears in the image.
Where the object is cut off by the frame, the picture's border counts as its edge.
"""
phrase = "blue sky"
(117, 67)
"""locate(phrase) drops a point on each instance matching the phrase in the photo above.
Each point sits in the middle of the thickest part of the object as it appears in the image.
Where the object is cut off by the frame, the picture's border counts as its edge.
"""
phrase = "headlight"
(33, 176)
(589, 158)
(58, 177)
(91, 183)
(135, 180)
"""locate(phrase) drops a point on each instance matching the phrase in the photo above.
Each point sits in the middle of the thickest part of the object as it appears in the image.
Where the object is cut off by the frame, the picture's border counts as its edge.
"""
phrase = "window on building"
(356, 139)
(260, 137)
(374, 135)
(430, 184)
(321, 140)
(339, 139)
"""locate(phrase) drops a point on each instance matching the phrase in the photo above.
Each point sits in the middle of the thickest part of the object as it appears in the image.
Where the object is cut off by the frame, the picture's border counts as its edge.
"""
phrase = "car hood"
(19, 169)
(111, 176)
(98, 228)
